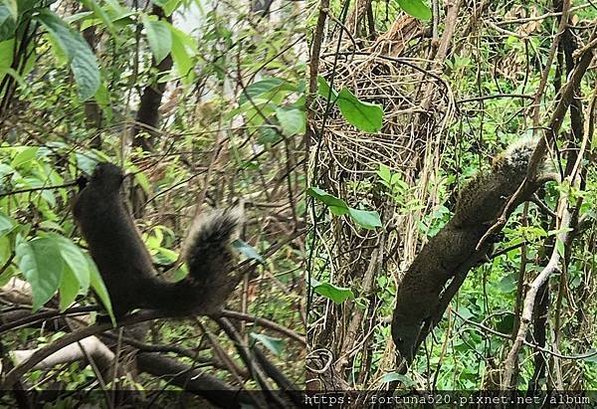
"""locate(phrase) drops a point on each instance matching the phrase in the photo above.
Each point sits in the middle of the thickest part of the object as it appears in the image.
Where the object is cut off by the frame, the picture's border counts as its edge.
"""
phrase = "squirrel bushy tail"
(209, 260)
(126, 266)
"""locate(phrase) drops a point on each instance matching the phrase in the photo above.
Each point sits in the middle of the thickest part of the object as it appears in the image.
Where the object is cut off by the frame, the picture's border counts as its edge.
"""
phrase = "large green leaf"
(369, 219)
(416, 8)
(365, 116)
(7, 27)
(159, 37)
(69, 288)
(181, 43)
(335, 293)
(337, 206)
(71, 43)
(292, 120)
(325, 90)
(41, 264)
(75, 260)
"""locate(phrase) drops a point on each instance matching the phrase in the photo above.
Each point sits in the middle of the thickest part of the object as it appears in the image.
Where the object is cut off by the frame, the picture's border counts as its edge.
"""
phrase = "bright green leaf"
(338, 207)
(75, 259)
(41, 264)
(180, 55)
(24, 155)
(69, 288)
(325, 90)
(365, 116)
(416, 8)
(268, 85)
(368, 219)
(100, 13)
(159, 37)
(333, 292)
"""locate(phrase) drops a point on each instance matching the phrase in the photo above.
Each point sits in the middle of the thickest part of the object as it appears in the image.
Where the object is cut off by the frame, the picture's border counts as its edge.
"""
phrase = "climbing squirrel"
(454, 248)
(481, 200)
(126, 266)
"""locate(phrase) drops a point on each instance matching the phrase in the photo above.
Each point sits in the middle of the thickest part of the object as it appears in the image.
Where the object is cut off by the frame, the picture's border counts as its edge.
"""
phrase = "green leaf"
(24, 155)
(102, 97)
(75, 260)
(6, 224)
(99, 12)
(337, 206)
(97, 283)
(7, 29)
(83, 62)
(368, 219)
(365, 116)
(395, 376)
(293, 121)
(416, 8)
(247, 250)
(335, 293)
(275, 345)
(325, 90)
(159, 37)
(266, 85)
(69, 288)
(181, 57)
(42, 266)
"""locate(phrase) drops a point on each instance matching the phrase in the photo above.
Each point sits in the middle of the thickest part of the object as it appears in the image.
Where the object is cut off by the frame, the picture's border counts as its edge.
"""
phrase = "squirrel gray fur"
(126, 266)
(479, 204)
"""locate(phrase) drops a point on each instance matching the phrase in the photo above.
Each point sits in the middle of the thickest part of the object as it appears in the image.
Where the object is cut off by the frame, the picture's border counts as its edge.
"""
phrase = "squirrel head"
(107, 176)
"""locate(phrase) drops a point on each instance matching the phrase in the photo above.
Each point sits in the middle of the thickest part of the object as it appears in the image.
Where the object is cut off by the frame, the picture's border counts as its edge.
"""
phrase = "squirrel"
(481, 201)
(126, 266)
